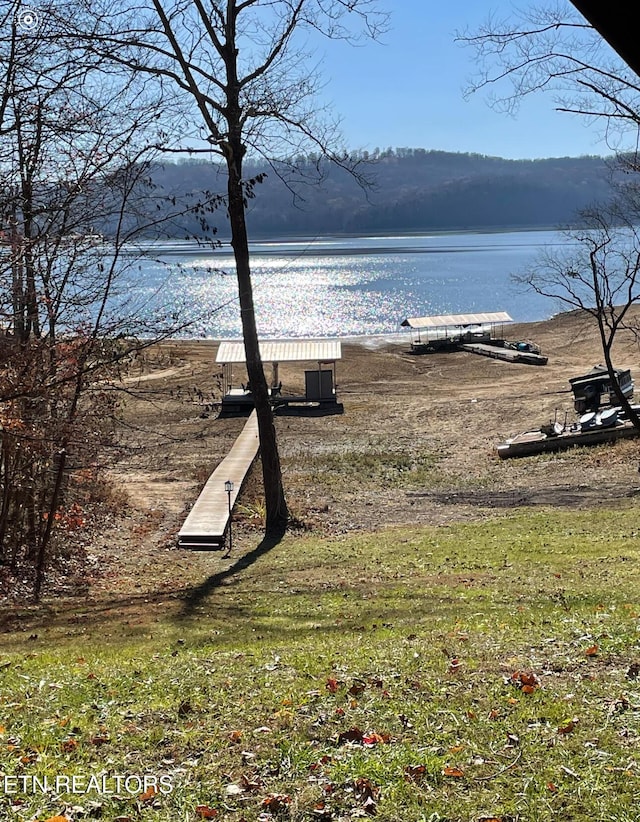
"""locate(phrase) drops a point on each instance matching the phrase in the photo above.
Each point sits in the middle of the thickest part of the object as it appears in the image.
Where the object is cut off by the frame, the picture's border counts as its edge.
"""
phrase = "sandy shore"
(416, 443)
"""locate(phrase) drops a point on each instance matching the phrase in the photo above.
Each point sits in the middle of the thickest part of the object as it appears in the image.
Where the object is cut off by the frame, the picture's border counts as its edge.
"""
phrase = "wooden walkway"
(207, 522)
(507, 354)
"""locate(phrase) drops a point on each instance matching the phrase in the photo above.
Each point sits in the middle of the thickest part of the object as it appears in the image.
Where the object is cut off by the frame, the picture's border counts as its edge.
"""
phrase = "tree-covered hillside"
(412, 190)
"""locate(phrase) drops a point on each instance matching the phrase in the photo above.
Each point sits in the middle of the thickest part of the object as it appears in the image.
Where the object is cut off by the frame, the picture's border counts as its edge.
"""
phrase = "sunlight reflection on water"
(301, 290)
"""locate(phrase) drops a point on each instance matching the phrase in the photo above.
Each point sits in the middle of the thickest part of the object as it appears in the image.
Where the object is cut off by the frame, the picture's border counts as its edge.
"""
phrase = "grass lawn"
(483, 671)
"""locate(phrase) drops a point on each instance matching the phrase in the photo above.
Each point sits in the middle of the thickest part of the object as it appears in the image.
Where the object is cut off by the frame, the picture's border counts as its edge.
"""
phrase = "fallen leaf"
(29, 758)
(566, 729)
(415, 772)
(450, 770)
(322, 813)
(206, 812)
(352, 735)
(364, 788)
(316, 766)
(374, 739)
(276, 803)
(454, 665)
(252, 785)
(592, 650)
(332, 685)
(148, 795)
(527, 681)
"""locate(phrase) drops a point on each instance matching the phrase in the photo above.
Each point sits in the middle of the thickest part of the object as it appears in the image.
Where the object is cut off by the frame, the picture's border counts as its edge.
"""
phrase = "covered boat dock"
(446, 332)
(475, 333)
(320, 384)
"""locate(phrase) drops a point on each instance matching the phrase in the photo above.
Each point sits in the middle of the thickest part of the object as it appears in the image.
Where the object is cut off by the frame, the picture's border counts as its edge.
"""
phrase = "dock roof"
(321, 350)
(451, 320)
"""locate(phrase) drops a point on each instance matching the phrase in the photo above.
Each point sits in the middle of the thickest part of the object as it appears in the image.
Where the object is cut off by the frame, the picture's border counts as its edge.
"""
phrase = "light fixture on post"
(228, 487)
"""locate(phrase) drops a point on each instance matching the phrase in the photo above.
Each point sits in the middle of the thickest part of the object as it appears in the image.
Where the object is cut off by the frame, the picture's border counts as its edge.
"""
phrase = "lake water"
(343, 286)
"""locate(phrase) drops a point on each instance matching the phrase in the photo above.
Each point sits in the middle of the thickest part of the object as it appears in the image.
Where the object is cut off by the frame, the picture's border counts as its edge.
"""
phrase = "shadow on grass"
(194, 597)
(128, 611)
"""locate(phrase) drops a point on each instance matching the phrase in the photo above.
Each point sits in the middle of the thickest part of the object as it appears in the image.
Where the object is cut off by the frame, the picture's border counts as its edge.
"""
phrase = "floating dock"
(473, 333)
(500, 351)
(206, 525)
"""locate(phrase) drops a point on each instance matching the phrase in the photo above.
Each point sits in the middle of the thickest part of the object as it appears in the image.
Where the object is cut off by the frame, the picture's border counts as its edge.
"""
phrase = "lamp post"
(228, 487)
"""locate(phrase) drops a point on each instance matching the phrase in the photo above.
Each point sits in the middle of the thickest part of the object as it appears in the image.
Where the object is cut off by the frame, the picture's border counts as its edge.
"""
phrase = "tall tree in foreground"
(246, 66)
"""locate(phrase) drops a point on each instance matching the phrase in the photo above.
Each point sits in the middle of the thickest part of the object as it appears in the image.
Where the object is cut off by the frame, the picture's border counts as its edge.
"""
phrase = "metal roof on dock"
(322, 350)
(456, 320)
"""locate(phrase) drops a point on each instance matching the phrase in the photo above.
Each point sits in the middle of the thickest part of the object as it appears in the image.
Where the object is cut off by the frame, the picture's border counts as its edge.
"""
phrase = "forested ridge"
(411, 190)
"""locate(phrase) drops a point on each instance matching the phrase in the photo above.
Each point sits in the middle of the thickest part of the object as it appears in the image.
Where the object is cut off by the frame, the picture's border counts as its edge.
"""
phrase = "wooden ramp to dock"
(207, 522)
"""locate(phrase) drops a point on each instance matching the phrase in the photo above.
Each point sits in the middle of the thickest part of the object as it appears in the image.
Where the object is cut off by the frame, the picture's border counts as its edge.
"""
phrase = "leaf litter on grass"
(459, 685)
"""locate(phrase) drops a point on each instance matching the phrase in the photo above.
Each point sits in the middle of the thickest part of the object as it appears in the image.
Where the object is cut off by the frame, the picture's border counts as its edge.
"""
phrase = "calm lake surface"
(342, 286)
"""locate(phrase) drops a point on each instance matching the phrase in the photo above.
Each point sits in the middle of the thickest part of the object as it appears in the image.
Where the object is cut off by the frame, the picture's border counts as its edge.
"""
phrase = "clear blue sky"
(408, 91)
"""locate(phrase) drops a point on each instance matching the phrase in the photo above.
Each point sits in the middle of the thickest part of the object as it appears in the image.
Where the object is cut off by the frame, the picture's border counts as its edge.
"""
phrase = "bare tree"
(599, 275)
(77, 142)
(246, 67)
(554, 50)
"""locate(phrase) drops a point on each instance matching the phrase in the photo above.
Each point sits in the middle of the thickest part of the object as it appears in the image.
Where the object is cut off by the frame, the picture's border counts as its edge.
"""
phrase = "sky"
(408, 91)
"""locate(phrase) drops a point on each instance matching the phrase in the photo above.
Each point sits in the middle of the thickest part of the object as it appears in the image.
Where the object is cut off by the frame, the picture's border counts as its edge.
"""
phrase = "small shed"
(444, 331)
(320, 381)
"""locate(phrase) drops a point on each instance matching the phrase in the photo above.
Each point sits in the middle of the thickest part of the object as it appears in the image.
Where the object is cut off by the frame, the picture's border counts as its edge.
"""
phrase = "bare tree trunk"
(277, 513)
(59, 463)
